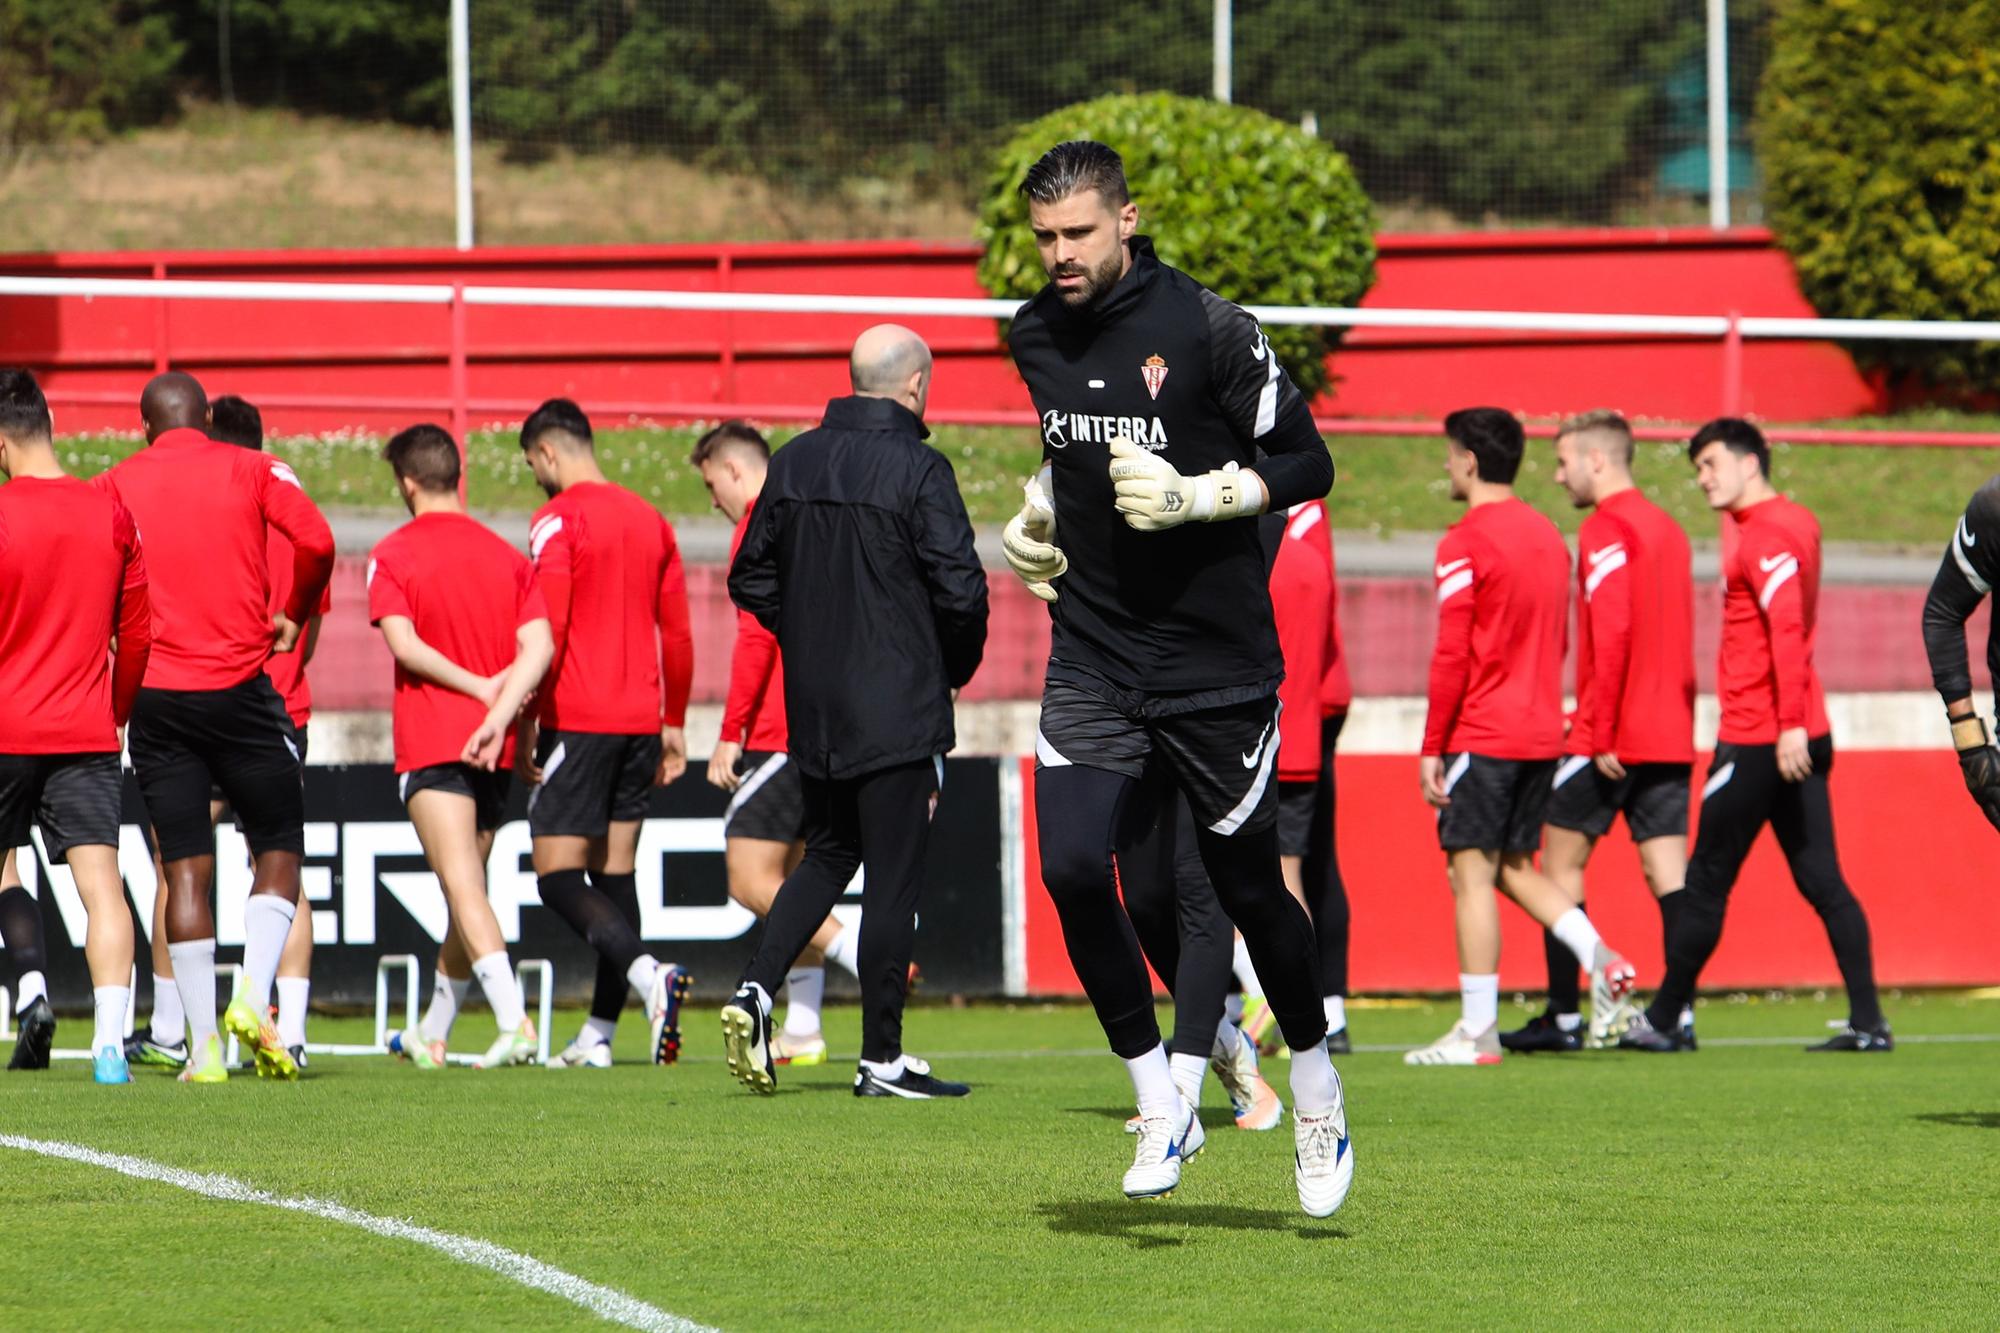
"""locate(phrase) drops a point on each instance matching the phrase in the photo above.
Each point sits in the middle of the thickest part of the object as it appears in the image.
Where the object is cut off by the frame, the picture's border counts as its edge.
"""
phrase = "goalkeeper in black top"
(1166, 424)
(1970, 570)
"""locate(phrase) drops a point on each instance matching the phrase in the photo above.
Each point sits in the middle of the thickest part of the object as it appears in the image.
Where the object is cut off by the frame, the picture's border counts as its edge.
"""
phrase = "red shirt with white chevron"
(1634, 635)
(1503, 630)
(1770, 614)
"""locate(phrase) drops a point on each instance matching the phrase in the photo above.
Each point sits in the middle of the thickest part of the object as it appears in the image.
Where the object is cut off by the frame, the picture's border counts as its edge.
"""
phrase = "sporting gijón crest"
(1154, 372)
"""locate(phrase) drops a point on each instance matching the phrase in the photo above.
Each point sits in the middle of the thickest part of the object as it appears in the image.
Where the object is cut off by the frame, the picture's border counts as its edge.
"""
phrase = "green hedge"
(1880, 133)
(1253, 208)
(78, 69)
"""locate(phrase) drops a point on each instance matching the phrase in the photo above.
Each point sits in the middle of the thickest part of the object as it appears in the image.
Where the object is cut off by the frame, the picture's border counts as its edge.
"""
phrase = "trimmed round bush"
(1257, 210)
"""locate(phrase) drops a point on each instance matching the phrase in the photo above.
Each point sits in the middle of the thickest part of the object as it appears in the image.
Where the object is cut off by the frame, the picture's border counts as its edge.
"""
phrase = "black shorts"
(591, 780)
(74, 797)
(487, 791)
(1652, 797)
(1497, 805)
(770, 805)
(183, 742)
(1296, 802)
(299, 740)
(1222, 755)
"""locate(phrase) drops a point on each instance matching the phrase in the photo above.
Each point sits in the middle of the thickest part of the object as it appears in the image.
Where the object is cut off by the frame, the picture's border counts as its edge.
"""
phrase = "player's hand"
(1430, 778)
(525, 743)
(284, 632)
(1154, 497)
(1794, 763)
(1028, 540)
(722, 766)
(1980, 763)
(483, 748)
(673, 755)
(1607, 764)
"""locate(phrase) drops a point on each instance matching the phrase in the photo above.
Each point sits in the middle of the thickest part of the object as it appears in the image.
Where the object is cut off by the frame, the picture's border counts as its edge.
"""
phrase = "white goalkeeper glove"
(1028, 540)
(1153, 497)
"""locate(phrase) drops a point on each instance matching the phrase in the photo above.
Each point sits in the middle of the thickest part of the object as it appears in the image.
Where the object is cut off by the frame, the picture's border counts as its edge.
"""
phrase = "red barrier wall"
(1935, 917)
(318, 367)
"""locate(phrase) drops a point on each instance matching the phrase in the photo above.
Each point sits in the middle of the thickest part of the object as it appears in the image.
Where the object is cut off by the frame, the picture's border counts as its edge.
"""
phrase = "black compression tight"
(1326, 892)
(607, 1001)
(21, 931)
(1179, 921)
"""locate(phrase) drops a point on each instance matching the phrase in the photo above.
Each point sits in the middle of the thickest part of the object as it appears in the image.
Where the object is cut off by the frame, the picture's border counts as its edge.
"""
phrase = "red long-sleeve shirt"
(754, 714)
(205, 510)
(1770, 614)
(1503, 626)
(610, 572)
(1302, 603)
(71, 574)
(288, 670)
(1634, 635)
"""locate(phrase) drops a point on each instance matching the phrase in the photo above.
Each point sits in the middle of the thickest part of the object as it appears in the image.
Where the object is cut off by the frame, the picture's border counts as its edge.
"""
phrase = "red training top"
(205, 509)
(288, 670)
(617, 596)
(1503, 625)
(71, 574)
(754, 716)
(1302, 602)
(466, 591)
(1770, 612)
(1634, 635)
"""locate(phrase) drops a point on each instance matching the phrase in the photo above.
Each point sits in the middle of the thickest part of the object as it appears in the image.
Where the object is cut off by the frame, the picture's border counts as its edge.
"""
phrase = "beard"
(1096, 282)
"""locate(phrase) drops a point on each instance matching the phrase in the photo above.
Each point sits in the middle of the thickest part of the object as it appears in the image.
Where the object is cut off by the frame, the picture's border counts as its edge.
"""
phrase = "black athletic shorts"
(770, 805)
(591, 780)
(488, 791)
(1497, 805)
(1296, 801)
(1652, 797)
(74, 797)
(299, 739)
(183, 742)
(1221, 747)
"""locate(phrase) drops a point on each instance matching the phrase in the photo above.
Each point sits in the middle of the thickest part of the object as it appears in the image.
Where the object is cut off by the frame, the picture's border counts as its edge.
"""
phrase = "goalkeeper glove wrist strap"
(1968, 733)
(1225, 495)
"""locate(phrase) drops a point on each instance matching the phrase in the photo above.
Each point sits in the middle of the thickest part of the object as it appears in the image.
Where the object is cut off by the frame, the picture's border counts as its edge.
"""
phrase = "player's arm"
(309, 640)
(287, 508)
(1775, 567)
(421, 660)
(676, 662)
(551, 546)
(534, 649)
(1451, 660)
(753, 574)
(752, 663)
(1962, 583)
(134, 644)
(1607, 588)
(951, 569)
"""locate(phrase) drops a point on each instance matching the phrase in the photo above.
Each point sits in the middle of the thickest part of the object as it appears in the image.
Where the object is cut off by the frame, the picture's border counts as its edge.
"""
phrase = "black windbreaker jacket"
(1176, 369)
(859, 558)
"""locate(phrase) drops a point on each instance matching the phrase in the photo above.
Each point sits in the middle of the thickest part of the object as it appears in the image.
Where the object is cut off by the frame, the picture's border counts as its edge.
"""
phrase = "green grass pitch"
(1748, 1185)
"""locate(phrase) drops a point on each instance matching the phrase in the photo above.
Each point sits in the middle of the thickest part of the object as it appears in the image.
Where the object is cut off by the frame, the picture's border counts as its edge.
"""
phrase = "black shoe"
(916, 1083)
(1688, 1042)
(746, 1041)
(1337, 1043)
(1542, 1033)
(1643, 1036)
(141, 1049)
(1858, 1039)
(298, 1055)
(38, 1033)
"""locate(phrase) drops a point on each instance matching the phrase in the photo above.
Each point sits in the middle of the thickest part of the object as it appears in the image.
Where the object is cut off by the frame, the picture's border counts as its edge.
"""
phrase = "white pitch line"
(605, 1302)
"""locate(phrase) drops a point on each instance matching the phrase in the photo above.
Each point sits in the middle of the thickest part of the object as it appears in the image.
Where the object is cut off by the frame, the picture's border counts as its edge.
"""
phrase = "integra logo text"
(1062, 429)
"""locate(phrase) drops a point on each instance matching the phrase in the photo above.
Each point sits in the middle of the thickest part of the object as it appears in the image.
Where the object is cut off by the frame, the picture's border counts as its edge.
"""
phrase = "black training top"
(1178, 370)
(1970, 570)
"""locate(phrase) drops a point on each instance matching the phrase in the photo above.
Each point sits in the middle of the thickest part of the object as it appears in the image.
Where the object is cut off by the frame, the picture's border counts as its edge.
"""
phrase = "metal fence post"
(1718, 114)
(1223, 53)
(461, 118)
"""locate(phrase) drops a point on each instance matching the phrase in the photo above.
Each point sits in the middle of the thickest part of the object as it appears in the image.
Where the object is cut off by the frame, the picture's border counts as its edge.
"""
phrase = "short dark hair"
(731, 437)
(234, 421)
(1736, 435)
(1491, 435)
(426, 455)
(1080, 164)
(24, 412)
(557, 414)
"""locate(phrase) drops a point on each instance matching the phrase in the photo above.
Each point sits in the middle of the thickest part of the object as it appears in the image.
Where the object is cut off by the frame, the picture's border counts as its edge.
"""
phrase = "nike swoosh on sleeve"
(1446, 571)
(1773, 562)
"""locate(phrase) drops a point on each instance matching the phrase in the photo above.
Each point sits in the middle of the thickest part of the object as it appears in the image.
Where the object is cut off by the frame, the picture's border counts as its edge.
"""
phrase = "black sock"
(607, 1001)
(1565, 991)
(1847, 931)
(592, 915)
(21, 931)
(1695, 929)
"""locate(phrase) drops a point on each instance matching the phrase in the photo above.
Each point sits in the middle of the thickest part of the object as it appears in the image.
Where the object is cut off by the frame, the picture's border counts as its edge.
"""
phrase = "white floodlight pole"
(461, 117)
(1223, 53)
(1718, 113)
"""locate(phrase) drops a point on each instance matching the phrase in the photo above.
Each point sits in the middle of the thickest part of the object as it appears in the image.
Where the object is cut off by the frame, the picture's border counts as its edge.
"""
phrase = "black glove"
(1980, 763)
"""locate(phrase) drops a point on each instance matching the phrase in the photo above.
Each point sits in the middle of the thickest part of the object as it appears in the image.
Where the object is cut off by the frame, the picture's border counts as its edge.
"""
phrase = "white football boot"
(1165, 1142)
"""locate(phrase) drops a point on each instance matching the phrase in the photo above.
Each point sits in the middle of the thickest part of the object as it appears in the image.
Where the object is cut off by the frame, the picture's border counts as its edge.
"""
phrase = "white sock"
(1573, 928)
(1227, 1038)
(806, 987)
(1687, 1016)
(447, 994)
(1479, 996)
(845, 951)
(640, 976)
(34, 986)
(1232, 1008)
(169, 1019)
(1188, 1071)
(1336, 1012)
(111, 1003)
(503, 991)
(596, 1032)
(294, 993)
(1569, 1022)
(1246, 975)
(1315, 1087)
(891, 1071)
(194, 978)
(1153, 1082)
(267, 920)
